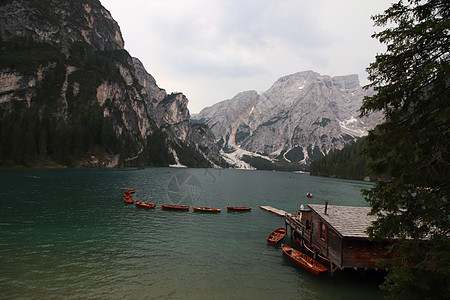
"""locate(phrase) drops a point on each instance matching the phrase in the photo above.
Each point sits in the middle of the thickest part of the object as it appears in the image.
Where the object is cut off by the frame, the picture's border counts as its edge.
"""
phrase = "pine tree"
(412, 146)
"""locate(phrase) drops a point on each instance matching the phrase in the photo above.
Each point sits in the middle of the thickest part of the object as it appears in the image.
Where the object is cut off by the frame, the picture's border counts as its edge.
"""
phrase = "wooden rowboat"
(310, 249)
(145, 204)
(276, 236)
(206, 209)
(322, 259)
(304, 260)
(174, 207)
(128, 199)
(128, 193)
(238, 208)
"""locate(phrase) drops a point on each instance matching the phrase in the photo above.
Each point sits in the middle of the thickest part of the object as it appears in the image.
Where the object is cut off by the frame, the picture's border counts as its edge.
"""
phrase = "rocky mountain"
(71, 94)
(302, 117)
(61, 23)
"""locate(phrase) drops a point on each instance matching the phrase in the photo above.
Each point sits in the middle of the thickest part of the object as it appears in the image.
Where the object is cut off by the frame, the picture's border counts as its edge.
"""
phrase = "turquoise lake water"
(67, 234)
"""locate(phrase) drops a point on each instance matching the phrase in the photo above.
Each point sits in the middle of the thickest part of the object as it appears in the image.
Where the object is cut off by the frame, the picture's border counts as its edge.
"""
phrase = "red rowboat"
(174, 207)
(238, 208)
(276, 236)
(304, 260)
(206, 209)
(128, 199)
(128, 193)
(145, 204)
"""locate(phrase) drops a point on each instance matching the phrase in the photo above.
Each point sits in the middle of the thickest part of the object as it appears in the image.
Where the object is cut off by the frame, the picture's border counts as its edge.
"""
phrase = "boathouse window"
(323, 231)
(308, 225)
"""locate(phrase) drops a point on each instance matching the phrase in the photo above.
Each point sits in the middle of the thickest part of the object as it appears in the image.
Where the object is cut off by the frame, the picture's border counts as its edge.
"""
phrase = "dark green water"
(67, 234)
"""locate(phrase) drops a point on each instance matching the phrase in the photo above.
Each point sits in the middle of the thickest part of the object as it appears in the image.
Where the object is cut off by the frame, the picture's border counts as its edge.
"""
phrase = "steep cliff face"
(303, 116)
(70, 90)
(172, 113)
(229, 117)
(61, 23)
(154, 93)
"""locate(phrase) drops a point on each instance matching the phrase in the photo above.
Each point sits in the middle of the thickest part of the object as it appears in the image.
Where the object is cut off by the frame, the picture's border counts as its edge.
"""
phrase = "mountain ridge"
(71, 93)
(301, 117)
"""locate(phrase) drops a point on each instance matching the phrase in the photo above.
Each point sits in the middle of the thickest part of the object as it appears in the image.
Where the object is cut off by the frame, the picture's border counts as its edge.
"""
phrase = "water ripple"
(78, 239)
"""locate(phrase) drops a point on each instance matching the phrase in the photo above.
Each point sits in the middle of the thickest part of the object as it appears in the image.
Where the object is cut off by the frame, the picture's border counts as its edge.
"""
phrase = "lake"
(67, 233)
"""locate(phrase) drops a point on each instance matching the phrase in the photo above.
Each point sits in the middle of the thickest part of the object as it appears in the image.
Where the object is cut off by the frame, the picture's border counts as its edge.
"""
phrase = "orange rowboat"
(174, 207)
(127, 196)
(322, 259)
(145, 204)
(276, 236)
(207, 209)
(128, 199)
(304, 260)
(238, 208)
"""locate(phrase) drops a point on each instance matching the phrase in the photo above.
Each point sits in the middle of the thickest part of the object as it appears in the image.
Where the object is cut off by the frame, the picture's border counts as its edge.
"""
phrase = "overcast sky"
(210, 50)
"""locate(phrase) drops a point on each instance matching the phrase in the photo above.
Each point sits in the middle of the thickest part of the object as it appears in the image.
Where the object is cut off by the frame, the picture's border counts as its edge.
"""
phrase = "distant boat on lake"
(206, 209)
(145, 204)
(238, 208)
(174, 207)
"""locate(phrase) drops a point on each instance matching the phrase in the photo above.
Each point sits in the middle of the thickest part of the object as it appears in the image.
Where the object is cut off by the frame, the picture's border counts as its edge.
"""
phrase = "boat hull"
(276, 236)
(207, 209)
(322, 259)
(127, 196)
(145, 204)
(174, 207)
(304, 261)
(128, 200)
(238, 208)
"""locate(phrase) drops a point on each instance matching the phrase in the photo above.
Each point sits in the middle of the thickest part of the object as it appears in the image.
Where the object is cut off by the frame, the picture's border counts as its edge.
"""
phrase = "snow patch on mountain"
(302, 117)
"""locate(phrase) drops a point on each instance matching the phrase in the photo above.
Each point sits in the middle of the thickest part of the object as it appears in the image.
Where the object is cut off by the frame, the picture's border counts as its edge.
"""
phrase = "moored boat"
(206, 209)
(128, 199)
(276, 236)
(127, 196)
(174, 207)
(308, 247)
(238, 208)
(304, 260)
(145, 204)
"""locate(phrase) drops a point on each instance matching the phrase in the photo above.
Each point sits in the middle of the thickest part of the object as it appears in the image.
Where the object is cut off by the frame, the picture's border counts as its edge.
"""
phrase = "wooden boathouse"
(337, 234)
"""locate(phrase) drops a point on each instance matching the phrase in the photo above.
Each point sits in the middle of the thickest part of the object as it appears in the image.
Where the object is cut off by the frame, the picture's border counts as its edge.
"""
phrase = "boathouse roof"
(348, 221)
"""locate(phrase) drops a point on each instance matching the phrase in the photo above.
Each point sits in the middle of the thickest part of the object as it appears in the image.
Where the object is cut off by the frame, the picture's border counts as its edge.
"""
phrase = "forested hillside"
(349, 162)
(38, 133)
(71, 95)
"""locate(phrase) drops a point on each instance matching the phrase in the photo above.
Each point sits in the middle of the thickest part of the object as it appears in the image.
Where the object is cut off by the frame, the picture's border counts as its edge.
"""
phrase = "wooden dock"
(273, 210)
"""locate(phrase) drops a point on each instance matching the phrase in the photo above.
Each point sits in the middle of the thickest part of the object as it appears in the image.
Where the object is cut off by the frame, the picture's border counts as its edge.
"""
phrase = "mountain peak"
(301, 117)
